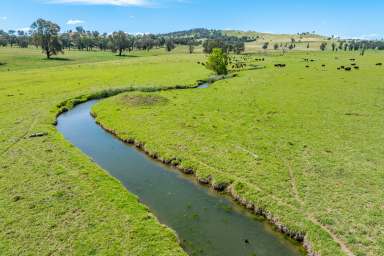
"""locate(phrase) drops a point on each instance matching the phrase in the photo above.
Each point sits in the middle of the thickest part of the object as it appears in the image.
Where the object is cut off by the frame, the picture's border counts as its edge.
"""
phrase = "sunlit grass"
(53, 199)
(305, 143)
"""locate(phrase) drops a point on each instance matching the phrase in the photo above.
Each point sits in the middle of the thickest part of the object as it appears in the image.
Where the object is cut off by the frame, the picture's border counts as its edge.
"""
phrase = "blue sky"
(351, 18)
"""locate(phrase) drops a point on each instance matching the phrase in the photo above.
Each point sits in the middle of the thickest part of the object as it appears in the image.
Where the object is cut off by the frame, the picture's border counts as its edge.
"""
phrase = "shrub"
(218, 61)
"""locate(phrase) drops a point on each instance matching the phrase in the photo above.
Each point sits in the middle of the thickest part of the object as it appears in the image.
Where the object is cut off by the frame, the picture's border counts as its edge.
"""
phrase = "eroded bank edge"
(223, 187)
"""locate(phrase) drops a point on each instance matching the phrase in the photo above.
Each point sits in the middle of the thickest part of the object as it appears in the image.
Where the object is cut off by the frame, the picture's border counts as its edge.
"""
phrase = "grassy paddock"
(304, 143)
(53, 199)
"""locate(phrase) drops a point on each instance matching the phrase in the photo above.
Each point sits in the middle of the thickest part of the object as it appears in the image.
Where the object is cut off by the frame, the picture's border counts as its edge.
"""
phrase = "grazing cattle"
(338, 68)
(312, 60)
(307, 66)
(352, 59)
(323, 65)
(342, 67)
(356, 67)
(353, 64)
(280, 65)
(379, 64)
(348, 69)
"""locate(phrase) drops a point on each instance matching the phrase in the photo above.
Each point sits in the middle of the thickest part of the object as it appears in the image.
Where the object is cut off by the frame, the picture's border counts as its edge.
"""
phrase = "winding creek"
(206, 222)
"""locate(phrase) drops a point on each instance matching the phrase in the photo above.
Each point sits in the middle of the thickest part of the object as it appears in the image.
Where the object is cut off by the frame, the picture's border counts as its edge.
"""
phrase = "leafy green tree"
(169, 45)
(276, 46)
(191, 45)
(4, 38)
(211, 44)
(218, 61)
(363, 47)
(265, 45)
(191, 48)
(46, 35)
(12, 37)
(120, 42)
(333, 46)
(323, 46)
(65, 39)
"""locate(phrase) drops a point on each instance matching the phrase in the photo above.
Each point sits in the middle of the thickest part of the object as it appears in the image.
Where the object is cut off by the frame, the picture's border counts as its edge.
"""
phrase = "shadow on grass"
(58, 59)
(127, 56)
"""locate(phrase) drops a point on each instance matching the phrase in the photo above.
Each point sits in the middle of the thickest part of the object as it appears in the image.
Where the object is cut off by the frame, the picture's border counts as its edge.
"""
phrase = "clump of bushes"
(218, 62)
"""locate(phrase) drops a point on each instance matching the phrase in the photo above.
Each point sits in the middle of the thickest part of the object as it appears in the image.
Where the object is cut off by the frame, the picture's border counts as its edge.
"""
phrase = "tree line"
(47, 36)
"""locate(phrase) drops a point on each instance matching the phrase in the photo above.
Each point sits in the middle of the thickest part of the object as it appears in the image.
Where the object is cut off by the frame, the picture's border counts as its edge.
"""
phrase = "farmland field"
(53, 199)
(304, 143)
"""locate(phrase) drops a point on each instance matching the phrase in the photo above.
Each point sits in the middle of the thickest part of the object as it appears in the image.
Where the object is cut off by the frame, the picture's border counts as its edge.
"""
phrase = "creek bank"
(223, 187)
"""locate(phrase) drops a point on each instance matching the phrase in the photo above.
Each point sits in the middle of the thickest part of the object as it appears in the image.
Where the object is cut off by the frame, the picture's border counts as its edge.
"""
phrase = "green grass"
(306, 144)
(53, 199)
(21, 59)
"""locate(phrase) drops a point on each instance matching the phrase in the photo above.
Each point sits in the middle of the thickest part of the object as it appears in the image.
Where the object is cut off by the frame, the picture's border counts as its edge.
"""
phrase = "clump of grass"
(144, 100)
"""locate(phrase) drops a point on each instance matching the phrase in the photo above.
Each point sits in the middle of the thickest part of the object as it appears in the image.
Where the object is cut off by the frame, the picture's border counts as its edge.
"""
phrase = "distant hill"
(255, 40)
(202, 33)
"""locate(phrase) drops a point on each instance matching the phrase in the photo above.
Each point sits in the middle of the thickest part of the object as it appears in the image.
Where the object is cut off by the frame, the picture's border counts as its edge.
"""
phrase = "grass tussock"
(144, 100)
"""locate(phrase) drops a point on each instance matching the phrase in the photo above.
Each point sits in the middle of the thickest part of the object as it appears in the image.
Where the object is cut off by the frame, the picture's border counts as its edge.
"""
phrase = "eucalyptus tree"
(323, 46)
(12, 39)
(276, 46)
(169, 45)
(120, 42)
(333, 46)
(46, 34)
(4, 38)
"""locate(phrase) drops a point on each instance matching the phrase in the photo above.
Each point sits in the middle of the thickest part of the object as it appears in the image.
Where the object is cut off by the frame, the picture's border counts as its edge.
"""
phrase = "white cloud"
(74, 22)
(3, 18)
(104, 2)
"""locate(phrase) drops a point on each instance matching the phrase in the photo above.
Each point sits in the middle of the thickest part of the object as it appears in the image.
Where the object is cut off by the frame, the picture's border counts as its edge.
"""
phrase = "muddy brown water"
(206, 222)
